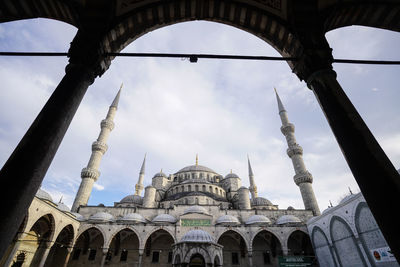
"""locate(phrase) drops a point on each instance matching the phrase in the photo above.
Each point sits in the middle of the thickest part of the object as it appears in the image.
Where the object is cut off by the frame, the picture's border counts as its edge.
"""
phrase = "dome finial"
(231, 171)
(197, 159)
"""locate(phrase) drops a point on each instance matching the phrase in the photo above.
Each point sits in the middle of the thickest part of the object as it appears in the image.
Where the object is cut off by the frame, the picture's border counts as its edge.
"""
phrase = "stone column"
(67, 257)
(375, 174)
(25, 169)
(103, 258)
(44, 255)
(14, 250)
(140, 257)
(250, 257)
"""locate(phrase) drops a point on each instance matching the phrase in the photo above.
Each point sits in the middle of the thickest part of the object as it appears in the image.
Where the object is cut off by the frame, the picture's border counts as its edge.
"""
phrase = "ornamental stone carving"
(90, 173)
(107, 124)
(305, 177)
(99, 146)
(294, 150)
(287, 128)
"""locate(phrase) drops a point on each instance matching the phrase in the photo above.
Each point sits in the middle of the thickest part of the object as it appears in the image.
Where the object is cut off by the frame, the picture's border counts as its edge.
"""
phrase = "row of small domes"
(167, 218)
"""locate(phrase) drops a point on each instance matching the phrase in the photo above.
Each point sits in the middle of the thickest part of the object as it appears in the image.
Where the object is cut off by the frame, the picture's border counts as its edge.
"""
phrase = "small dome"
(290, 208)
(288, 219)
(326, 210)
(231, 175)
(243, 187)
(101, 217)
(132, 199)
(258, 219)
(164, 218)
(195, 209)
(260, 201)
(43, 195)
(228, 219)
(78, 216)
(196, 168)
(347, 198)
(61, 206)
(133, 217)
(160, 174)
(197, 236)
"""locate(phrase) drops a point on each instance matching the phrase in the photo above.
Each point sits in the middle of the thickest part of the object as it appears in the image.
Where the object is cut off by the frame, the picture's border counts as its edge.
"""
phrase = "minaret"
(91, 173)
(253, 187)
(139, 186)
(302, 177)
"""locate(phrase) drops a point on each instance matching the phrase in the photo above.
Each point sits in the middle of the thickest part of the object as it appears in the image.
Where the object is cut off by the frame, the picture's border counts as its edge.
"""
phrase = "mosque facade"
(193, 217)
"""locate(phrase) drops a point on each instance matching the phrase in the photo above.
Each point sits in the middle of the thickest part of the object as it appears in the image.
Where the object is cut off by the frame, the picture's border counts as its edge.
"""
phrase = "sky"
(222, 110)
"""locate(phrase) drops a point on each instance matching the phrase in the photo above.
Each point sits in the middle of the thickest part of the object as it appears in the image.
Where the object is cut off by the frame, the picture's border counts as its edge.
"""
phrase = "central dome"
(196, 168)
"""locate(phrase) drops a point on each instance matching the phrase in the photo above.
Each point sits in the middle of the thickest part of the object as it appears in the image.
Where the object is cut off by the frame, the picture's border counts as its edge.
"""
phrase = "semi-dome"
(195, 209)
(196, 168)
(287, 219)
(197, 236)
(260, 201)
(78, 216)
(61, 206)
(132, 199)
(231, 175)
(101, 217)
(228, 219)
(164, 218)
(134, 218)
(43, 195)
(258, 219)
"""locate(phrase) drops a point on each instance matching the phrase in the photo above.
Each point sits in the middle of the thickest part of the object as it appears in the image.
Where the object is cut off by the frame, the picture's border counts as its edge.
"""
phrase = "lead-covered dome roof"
(101, 217)
(258, 219)
(197, 236)
(43, 195)
(133, 217)
(61, 206)
(231, 175)
(160, 174)
(288, 219)
(78, 216)
(228, 220)
(164, 218)
(195, 209)
(260, 201)
(196, 168)
(132, 199)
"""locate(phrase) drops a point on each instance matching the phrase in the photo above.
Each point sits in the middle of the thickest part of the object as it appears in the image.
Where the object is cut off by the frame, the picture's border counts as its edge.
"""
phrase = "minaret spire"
(253, 187)
(302, 177)
(139, 186)
(91, 173)
(197, 159)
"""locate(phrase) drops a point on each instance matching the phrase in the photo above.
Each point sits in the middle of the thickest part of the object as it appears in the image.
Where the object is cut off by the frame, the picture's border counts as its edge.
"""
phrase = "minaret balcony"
(294, 150)
(99, 146)
(107, 124)
(304, 177)
(90, 173)
(287, 128)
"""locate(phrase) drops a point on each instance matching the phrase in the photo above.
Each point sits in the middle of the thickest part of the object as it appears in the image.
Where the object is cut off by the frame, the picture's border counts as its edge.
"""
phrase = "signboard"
(383, 254)
(195, 222)
(296, 261)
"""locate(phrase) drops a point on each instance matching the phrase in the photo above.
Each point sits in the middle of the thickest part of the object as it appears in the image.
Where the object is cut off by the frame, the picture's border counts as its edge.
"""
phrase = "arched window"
(183, 188)
(211, 189)
(204, 188)
(196, 188)
(189, 188)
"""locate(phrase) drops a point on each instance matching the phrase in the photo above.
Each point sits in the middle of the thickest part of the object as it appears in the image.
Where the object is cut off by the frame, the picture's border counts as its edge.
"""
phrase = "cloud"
(98, 187)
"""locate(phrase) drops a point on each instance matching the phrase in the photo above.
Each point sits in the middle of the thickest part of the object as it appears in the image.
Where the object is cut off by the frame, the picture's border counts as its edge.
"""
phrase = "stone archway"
(158, 249)
(123, 249)
(322, 248)
(197, 260)
(266, 249)
(38, 240)
(299, 243)
(59, 251)
(234, 248)
(88, 248)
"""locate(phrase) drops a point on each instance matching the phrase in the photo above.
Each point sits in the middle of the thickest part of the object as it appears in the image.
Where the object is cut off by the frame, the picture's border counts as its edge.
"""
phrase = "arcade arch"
(88, 248)
(266, 248)
(234, 248)
(123, 249)
(299, 243)
(322, 247)
(60, 250)
(158, 249)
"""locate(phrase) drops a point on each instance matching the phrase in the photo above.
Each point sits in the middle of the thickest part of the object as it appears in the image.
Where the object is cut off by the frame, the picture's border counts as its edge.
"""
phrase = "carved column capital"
(304, 177)
(99, 146)
(109, 124)
(87, 51)
(294, 150)
(287, 128)
(90, 173)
